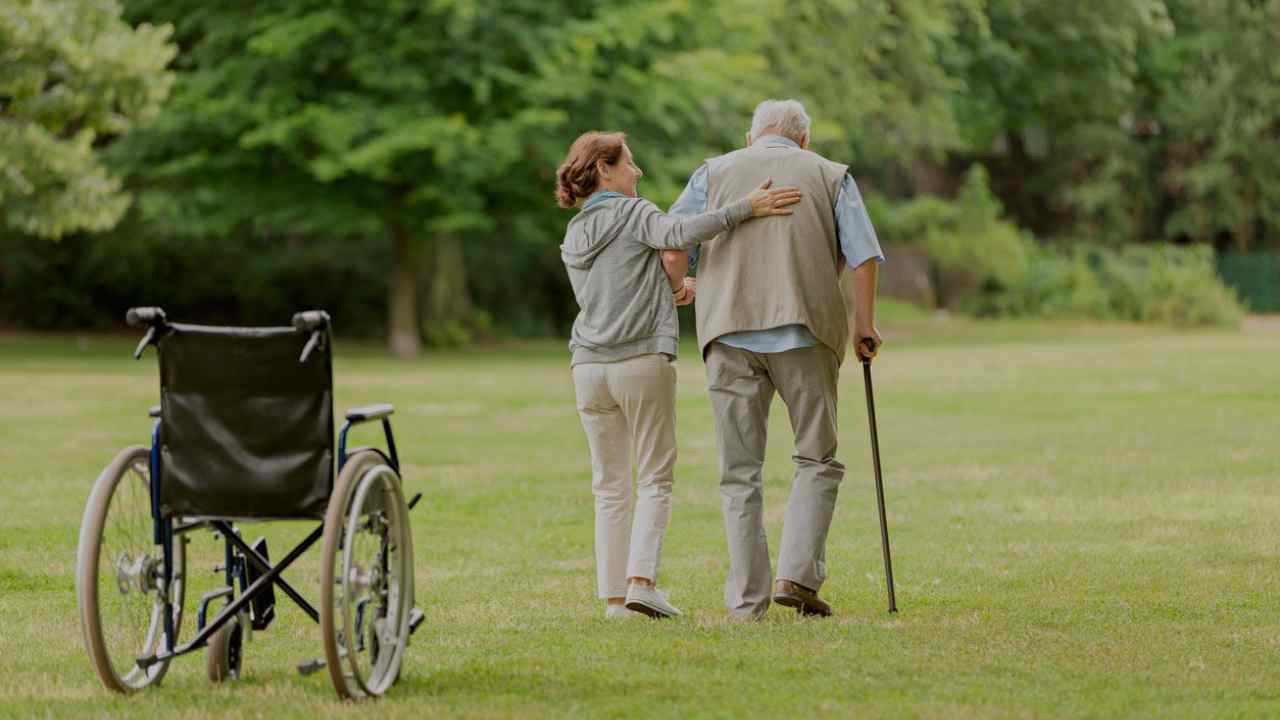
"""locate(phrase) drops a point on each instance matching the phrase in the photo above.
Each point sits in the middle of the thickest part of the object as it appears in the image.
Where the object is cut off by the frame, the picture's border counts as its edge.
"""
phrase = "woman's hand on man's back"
(767, 201)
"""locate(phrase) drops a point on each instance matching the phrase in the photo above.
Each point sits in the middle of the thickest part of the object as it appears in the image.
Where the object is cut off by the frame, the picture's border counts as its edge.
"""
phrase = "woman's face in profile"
(624, 174)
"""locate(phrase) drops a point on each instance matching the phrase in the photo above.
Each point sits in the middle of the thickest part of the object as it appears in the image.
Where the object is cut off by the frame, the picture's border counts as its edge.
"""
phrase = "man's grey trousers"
(742, 384)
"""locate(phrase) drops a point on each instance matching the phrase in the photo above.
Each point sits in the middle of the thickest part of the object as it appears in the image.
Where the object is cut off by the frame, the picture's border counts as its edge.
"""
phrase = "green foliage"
(1050, 90)
(1217, 97)
(1131, 121)
(1158, 283)
(72, 76)
(1175, 285)
(967, 239)
(435, 122)
(988, 267)
(309, 123)
(879, 88)
(90, 280)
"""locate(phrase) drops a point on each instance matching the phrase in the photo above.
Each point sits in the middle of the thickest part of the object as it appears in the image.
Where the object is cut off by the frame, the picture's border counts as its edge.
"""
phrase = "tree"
(1216, 94)
(434, 126)
(1051, 90)
(72, 76)
(880, 88)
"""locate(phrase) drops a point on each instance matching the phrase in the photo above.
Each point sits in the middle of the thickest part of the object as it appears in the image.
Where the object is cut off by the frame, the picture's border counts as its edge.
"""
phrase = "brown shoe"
(804, 600)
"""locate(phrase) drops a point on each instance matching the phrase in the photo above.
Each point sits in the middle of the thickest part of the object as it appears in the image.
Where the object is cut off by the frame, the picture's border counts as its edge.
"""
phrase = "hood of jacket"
(591, 231)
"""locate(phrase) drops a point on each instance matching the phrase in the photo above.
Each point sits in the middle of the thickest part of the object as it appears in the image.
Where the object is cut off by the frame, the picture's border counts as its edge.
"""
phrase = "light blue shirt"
(858, 244)
(600, 196)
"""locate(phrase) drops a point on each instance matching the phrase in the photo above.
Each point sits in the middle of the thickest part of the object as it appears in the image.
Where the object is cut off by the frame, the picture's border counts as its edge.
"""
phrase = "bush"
(1158, 284)
(1171, 284)
(969, 243)
(89, 281)
(986, 266)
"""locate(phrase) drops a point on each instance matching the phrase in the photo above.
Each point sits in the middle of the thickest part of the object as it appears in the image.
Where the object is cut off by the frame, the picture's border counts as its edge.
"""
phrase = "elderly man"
(771, 317)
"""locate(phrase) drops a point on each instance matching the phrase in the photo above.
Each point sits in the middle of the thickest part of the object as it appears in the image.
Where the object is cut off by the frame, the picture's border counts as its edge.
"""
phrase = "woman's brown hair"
(577, 176)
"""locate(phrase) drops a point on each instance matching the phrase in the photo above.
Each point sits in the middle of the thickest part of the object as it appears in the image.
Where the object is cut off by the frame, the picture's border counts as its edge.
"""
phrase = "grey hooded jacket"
(612, 253)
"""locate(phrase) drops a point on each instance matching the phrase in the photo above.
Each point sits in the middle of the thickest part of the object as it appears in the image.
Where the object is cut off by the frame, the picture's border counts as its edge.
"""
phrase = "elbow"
(675, 263)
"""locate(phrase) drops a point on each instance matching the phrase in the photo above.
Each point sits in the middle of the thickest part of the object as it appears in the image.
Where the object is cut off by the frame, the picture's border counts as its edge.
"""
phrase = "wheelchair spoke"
(370, 599)
(120, 576)
(127, 609)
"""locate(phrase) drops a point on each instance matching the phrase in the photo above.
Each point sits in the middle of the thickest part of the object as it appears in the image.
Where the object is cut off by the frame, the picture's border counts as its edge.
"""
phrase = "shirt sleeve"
(693, 201)
(661, 231)
(858, 241)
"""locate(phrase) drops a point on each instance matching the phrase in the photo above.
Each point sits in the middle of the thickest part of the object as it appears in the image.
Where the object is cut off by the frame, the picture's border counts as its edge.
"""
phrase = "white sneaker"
(614, 612)
(651, 601)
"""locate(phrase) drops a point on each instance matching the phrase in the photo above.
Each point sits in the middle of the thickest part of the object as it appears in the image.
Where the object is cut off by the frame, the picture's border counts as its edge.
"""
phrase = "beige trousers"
(625, 406)
(742, 384)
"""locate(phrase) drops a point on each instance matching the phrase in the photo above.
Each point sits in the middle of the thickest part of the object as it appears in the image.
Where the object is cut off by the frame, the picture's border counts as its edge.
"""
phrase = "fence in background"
(1255, 276)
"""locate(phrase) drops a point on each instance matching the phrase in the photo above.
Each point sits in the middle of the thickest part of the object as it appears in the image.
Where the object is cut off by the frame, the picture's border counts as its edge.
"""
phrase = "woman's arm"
(675, 263)
(661, 231)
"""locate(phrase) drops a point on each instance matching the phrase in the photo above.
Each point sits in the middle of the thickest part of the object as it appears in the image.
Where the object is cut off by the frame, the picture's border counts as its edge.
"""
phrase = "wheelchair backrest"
(246, 428)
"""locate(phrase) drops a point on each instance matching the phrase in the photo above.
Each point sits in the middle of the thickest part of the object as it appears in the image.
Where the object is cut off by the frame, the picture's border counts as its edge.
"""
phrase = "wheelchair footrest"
(202, 612)
(416, 617)
(310, 666)
(263, 605)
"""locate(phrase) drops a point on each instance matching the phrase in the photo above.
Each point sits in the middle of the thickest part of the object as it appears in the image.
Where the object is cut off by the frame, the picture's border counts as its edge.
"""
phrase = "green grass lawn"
(1084, 523)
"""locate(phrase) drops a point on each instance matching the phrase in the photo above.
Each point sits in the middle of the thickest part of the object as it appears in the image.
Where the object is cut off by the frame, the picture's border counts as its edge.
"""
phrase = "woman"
(626, 261)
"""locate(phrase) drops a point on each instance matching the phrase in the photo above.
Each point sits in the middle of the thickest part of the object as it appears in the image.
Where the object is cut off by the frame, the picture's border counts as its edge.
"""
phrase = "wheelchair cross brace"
(252, 555)
(271, 576)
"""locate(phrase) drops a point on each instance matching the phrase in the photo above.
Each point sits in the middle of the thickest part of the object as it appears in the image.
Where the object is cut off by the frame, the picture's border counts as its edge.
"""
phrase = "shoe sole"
(648, 610)
(797, 602)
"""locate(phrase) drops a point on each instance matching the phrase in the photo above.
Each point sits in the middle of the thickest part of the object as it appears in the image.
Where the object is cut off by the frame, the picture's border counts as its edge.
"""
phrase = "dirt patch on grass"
(1262, 323)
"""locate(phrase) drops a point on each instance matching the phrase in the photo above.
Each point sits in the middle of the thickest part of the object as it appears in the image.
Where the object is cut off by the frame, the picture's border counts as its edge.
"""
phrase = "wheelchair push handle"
(310, 320)
(144, 317)
(315, 321)
(152, 318)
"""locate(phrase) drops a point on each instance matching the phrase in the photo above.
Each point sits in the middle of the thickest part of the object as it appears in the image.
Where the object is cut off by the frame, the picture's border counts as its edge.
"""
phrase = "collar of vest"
(775, 140)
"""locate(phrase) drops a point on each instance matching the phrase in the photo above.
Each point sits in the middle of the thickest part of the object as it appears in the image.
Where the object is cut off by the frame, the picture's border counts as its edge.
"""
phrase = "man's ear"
(748, 138)
(804, 142)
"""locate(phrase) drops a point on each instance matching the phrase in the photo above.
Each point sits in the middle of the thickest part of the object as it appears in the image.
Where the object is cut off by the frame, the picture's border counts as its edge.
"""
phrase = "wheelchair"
(244, 432)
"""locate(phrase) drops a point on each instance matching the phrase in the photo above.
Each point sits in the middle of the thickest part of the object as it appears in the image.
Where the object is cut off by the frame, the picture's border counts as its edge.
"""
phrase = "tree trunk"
(446, 304)
(1246, 229)
(402, 296)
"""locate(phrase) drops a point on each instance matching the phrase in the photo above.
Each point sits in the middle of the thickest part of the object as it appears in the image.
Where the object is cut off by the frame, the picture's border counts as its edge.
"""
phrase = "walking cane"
(869, 344)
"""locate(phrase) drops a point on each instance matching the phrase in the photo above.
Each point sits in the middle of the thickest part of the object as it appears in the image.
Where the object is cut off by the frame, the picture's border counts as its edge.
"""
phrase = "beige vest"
(773, 271)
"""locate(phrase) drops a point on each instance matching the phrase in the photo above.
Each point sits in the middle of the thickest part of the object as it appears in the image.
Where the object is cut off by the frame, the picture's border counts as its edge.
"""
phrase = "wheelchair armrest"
(370, 412)
(361, 414)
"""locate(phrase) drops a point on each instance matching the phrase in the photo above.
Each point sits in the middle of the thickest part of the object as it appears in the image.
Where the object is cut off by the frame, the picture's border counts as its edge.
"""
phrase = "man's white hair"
(783, 117)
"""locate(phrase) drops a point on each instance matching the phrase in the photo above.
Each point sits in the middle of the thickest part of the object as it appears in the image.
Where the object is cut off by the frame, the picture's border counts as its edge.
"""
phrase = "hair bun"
(577, 178)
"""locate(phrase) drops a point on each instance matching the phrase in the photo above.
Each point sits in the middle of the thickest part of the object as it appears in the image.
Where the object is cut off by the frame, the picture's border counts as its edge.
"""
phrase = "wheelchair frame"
(165, 533)
(244, 565)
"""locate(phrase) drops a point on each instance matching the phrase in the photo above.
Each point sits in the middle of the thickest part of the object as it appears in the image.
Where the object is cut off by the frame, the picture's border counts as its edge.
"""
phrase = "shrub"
(986, 266)
(969, 243)
(1157, 283)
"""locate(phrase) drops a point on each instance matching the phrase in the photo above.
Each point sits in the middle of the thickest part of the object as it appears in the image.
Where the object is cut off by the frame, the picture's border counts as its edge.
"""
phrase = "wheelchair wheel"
(366, 578)
(225, 653)
(119, 571)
